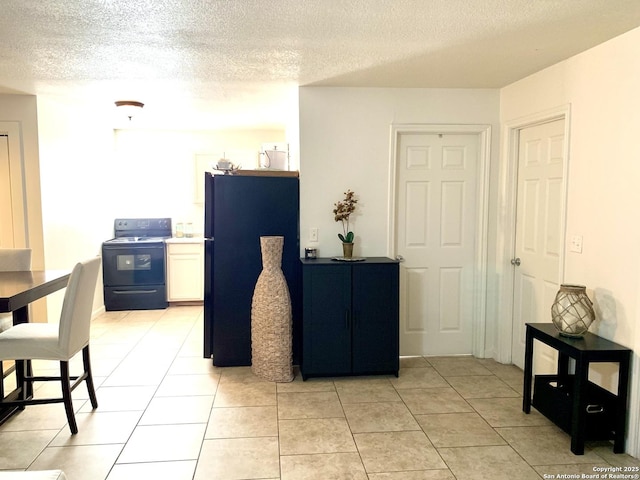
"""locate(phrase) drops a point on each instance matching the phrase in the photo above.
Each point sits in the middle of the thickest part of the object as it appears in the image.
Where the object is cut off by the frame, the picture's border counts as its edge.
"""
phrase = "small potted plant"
(341, 212)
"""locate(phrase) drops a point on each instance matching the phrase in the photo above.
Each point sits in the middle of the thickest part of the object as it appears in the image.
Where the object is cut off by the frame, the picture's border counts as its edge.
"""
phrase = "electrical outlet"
(313, 234)
(576, 244)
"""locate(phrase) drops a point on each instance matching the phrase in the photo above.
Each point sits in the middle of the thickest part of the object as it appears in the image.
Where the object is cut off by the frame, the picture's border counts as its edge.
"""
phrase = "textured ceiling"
(241, 61)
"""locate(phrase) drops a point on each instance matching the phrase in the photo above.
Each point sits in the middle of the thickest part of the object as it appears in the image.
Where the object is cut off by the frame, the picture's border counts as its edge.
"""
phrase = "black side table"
(577, 388)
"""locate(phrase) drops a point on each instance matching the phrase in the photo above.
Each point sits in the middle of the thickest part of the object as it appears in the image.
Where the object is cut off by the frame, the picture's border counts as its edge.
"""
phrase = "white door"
(6, 203)
(437, 205)
(540, 203)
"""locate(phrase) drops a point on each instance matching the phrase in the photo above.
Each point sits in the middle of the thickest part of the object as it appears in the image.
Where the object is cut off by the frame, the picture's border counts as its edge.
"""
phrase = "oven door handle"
(134, 292)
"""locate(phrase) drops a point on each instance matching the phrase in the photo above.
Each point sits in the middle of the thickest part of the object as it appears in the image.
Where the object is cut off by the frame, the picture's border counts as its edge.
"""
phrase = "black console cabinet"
(583, 409)
(350, 317)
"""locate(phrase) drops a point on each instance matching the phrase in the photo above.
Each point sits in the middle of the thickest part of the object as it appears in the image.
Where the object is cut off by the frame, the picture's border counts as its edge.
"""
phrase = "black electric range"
(133, 264)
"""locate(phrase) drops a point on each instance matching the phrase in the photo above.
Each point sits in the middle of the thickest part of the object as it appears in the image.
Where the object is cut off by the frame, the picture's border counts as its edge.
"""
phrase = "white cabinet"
(185, 269)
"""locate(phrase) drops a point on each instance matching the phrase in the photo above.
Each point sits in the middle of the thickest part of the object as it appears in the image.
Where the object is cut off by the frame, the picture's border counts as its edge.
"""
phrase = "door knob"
(400, 258)
(515, 261)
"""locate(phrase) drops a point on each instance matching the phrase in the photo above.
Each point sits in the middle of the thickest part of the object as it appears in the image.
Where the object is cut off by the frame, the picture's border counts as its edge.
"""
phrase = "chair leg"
(21, 381)
(66, 395)
(86, 360)
(28, 368)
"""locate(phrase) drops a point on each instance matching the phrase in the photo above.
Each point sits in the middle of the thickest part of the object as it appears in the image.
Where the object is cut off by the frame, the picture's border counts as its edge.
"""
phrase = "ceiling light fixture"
(129, 107)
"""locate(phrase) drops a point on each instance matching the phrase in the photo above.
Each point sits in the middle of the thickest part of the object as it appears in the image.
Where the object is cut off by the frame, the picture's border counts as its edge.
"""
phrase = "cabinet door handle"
(595, 409)
(347, 320)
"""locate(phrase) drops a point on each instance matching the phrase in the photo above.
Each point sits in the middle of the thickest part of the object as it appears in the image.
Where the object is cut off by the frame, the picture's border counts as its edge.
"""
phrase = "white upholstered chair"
(48, 341)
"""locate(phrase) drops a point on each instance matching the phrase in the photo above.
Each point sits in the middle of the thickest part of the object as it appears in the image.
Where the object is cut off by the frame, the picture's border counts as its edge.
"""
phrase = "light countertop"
(185, 240)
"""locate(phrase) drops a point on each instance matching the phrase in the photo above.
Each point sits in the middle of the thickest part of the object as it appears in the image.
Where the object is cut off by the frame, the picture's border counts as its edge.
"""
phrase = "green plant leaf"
(341, 237)
(349, 238)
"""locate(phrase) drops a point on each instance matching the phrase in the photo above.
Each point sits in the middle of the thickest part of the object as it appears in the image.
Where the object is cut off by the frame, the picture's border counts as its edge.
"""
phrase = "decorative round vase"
(271, 337)
(347, 250)
(572, 311)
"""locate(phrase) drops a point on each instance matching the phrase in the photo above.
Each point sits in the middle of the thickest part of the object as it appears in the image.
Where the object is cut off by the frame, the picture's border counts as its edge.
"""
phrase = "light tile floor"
(165, 412)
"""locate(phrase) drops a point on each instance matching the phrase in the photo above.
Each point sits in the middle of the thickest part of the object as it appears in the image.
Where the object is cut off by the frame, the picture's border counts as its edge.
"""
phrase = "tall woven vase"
(271, 336)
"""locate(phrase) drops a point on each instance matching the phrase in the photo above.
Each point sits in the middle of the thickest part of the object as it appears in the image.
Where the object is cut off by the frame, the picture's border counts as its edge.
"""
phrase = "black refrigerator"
(239, 209)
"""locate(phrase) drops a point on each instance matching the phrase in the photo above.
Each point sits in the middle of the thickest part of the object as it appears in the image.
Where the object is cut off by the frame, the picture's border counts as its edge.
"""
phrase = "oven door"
(130, 264)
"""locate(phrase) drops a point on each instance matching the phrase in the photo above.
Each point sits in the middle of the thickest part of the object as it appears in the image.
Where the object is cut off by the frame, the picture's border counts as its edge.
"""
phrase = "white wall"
(345, 144)
(76, 158)
(601, 86)
(156, 171)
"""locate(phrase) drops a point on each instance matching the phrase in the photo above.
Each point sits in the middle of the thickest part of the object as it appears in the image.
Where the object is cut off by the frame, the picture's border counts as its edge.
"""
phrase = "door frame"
(506, 235)
(483, 133)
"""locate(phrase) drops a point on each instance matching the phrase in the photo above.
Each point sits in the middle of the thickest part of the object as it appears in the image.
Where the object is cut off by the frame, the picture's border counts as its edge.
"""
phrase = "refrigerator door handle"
(208, 297)
(208, 204)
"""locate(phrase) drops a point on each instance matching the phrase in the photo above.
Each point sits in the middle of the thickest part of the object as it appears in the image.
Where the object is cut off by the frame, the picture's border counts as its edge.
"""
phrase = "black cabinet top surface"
(589, 342)
(330, 261)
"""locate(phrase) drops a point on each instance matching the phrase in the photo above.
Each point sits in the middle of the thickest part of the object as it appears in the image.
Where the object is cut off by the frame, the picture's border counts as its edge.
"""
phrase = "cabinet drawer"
(185, 248)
